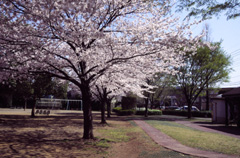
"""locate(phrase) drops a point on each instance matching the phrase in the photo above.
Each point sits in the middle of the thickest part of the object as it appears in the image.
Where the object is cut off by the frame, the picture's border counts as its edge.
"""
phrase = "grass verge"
(199, 139)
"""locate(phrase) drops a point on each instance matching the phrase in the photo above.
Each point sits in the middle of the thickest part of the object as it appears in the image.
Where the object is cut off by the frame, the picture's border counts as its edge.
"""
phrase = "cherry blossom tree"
(114, 82)
(84, 41)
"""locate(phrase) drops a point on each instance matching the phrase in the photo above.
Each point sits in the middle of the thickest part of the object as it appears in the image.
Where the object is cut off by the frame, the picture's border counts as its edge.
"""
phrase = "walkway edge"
(170, 143)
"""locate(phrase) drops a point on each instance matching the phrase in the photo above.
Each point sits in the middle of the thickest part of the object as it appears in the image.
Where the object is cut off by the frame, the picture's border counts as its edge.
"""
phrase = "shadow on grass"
(57, 135)
(225, 129)
(45, 136)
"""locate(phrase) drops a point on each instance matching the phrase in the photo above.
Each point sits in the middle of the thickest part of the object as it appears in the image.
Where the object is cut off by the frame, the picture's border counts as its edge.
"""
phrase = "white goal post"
(44, 105)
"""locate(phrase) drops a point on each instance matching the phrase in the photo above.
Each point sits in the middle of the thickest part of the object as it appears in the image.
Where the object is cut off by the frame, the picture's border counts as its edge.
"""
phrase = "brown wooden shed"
(232, 104)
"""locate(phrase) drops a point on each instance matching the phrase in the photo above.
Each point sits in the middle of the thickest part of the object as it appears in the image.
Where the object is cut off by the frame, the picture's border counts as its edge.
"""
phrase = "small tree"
(204, 66)
(208, 8)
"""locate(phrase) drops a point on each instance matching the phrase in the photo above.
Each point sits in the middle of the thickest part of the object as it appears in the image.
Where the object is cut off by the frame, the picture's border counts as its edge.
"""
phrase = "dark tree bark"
(87, 103)
(146, 107)
(189, 114)
(103, 118)
(103, 99)
(207, 98)
(87, 112)
(33, 108)
(102, 95)
(152, 100)
(109, 107)
(25, 103)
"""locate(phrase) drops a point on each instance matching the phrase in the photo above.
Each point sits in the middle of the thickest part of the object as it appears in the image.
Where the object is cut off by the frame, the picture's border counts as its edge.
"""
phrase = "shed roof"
(224, 90)
(233, 92)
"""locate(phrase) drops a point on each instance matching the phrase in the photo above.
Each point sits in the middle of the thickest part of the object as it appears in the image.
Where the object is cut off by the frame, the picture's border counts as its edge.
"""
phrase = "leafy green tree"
(44, 85)
(161, 83)
(39, 86)
(23, 90)
(57, 88)
(204, 67)
(6, 93)
(208, 8)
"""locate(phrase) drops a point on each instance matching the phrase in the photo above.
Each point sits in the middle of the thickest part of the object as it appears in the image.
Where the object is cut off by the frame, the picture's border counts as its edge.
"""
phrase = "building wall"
(218, 110)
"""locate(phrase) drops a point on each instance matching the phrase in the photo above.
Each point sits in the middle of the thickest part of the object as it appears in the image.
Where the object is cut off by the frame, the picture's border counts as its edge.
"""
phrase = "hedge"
(150, 112)
(116, 109)
(121, 112)
(184, 113)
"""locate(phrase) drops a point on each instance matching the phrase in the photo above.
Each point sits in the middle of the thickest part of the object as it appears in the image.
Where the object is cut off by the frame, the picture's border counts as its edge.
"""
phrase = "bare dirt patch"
(60, 135)
(46, 136)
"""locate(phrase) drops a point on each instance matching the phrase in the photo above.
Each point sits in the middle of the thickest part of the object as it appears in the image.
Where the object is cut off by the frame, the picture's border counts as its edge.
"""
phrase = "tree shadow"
(45, 136)
(226, 129)
(219, 127)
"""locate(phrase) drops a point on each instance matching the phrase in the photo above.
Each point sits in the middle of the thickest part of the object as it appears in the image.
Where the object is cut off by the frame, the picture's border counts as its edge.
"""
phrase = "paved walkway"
(167, 142)
(211, 128)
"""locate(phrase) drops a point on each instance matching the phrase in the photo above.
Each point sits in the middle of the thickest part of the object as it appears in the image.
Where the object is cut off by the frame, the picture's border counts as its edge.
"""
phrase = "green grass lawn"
(198, 139)
(119, 132)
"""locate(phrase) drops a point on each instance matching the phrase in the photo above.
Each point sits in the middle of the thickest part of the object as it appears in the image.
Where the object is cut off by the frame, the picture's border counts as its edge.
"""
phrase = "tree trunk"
(87, 112)
(33, 108)
(152, 101)
(25, 104)
(146, 107)
(109, 108)
(103, 118)
(189, 110)
(207, 99)
(103, 100)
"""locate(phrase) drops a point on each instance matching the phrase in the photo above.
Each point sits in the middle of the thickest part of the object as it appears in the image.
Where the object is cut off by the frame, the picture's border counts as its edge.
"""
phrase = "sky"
(229, 32)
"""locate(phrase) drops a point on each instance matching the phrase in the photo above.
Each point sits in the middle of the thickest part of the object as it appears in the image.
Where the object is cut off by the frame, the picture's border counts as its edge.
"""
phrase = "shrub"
(184, 113)
(150, 112)
(202, 114)
(126, 112)
(116, 109)
(121, 112)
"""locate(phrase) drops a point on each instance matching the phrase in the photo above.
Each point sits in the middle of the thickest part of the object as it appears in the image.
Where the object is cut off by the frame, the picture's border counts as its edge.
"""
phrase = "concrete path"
(210, 128)
(167, 142)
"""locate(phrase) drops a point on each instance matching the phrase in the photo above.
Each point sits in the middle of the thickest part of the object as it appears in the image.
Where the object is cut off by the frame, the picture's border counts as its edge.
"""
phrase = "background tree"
(23, 90)
(102, 95)
(40, 86)
(114, 83)
(6, 93)
(161, 83)
(57, 88)
(208, 8)
(204, 66)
